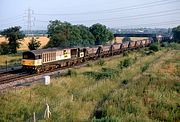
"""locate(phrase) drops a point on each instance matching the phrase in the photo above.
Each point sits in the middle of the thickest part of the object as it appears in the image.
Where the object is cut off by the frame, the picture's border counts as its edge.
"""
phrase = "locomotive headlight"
(82, 54)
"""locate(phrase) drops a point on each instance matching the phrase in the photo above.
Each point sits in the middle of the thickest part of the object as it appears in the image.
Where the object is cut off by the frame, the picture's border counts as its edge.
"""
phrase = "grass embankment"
(10, 60)
(136, 87)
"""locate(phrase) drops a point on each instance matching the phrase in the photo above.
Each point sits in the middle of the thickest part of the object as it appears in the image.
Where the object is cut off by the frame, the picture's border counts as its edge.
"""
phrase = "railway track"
(12, 78)
(7, 77)
(16, 77)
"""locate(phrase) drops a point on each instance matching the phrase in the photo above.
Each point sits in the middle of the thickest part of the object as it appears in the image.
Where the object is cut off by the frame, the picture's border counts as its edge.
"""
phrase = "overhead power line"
(12, 18)
(138, 6)
(138, 16)
(16, 21)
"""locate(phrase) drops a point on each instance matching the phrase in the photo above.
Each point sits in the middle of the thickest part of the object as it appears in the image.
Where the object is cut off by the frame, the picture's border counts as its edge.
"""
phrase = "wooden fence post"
(34, 117)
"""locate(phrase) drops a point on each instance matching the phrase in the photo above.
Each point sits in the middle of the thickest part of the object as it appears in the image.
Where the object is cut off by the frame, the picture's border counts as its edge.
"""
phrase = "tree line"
(64, 34)
(61, 34)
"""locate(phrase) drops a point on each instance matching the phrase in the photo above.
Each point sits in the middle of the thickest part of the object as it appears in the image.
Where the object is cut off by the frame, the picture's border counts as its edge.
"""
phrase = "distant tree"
(176, 33)
(63, 34)
(34, 44)
(101, 33)
(4, 48)
(14, 36)
(126, 39)
(86, 35)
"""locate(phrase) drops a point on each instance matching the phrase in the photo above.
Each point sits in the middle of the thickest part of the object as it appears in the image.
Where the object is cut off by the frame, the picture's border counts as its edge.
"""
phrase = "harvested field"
(24, 43)
(119, 39)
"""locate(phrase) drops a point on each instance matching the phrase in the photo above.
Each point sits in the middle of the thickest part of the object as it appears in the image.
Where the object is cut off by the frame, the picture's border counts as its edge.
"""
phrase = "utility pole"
(29, 22)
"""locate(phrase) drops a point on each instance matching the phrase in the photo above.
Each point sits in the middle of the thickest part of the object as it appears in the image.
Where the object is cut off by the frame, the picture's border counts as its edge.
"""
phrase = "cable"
(152, 14)
(148, 15)
(13, 17)
(157, 3)
(6, 25)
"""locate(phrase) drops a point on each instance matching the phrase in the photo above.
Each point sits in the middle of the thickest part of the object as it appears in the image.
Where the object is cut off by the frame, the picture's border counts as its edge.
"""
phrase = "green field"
(136, 86)
(12, 60)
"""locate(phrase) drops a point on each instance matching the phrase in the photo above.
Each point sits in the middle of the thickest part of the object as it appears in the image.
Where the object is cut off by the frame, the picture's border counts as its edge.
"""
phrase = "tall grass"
(10, 60)
(124, 88)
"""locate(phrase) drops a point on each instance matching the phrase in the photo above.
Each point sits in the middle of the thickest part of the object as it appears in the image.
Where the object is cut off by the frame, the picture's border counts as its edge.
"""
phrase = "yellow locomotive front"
(31, 60)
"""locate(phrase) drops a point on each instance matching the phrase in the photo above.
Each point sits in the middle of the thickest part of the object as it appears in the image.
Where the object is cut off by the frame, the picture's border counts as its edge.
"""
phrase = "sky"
(112, 13)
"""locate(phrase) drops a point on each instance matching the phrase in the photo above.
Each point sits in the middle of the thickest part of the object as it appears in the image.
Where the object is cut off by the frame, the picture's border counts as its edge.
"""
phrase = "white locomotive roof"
(40, 51)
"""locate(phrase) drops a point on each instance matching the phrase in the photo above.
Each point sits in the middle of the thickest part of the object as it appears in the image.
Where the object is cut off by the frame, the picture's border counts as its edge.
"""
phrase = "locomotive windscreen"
(28, 55)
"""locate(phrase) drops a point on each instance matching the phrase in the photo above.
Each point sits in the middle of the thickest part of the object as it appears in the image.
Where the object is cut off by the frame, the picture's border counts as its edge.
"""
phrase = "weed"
(144, 68)
(150, 96)
(154, 47)
(125, 53)
(175, 46)
(104, 73)
(101, 62)
(176, 87)
(71, 73)
(125, 82)
(89, 64)
(125, 63)
(165, 44)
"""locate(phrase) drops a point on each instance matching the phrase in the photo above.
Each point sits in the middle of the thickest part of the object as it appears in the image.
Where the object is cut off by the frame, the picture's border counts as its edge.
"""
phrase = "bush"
(165, 44)
(101, 62)
(154, 47)
(125, 53)
(89, 64)
(125, 63)
(125, 82)
(175, 46)
(105, 73)
(71, 73)
(176, 87)
(144, 68)
(34, 44)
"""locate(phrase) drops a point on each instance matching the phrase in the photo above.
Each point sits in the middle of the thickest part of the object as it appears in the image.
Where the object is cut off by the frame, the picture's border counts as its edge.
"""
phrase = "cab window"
(28, 55)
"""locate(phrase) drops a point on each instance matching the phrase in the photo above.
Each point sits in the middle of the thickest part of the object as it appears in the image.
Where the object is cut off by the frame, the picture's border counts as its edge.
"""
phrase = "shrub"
(125, 53)
(165, 44)
(125, 82)
(175, 46)
(101, 62)
(144, 68)
(125, 63)
(176, 87)
(89, 64)
(34, 44)
(105, 73)
(154, 47)
(71, 73)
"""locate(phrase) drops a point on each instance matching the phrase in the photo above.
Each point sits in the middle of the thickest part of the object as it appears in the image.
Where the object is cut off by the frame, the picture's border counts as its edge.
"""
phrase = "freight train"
(41, 60)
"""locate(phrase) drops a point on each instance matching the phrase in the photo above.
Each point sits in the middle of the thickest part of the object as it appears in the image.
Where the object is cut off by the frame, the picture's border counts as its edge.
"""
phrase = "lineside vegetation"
(138, 86)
